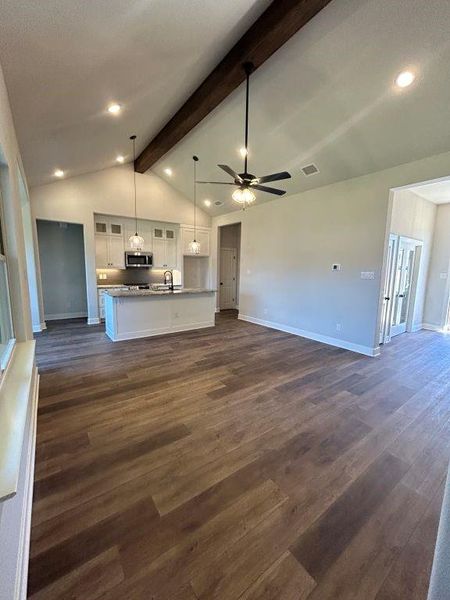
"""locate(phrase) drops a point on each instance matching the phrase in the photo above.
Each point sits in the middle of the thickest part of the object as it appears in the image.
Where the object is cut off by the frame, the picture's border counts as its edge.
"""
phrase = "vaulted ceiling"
(326, 97)
(65, 61)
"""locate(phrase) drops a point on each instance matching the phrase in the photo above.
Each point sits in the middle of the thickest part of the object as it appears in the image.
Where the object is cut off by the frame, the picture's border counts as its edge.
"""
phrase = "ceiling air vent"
(310, 170)
(218, 203)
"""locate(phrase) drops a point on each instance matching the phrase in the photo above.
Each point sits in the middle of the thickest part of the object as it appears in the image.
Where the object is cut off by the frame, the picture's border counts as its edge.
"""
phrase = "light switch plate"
(367, 275)
(443, 275)
(336, 267)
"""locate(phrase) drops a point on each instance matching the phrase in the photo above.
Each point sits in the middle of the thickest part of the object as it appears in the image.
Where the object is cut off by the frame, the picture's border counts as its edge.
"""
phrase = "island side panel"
(110, 317)
(144, 316)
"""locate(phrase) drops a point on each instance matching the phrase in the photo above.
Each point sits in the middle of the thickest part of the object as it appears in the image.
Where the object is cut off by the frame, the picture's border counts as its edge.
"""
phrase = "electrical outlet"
(338, 326)
(266, 311)
(367, 275)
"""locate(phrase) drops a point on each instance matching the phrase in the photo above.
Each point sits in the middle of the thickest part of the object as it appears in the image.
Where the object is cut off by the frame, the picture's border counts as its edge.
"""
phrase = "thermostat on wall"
(336, 267)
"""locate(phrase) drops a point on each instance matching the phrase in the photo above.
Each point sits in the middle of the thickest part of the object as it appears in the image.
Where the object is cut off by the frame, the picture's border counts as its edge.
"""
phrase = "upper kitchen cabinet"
(202, 237)
(165, 246)
(109, 252)
(108, 226)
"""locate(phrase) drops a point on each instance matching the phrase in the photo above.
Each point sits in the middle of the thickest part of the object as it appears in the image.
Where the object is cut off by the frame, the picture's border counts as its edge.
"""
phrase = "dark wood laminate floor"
(237, 462)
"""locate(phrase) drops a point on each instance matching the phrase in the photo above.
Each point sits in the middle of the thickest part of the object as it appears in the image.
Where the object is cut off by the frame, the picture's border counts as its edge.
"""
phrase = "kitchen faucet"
(169, 279)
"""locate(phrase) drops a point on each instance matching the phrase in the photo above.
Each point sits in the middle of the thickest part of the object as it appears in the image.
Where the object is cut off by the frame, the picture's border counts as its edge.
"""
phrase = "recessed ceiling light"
(405, 79)
(114, 109)
(120, 158)
(243, 152)
(168, 172)
(207, 202)
(58, 173)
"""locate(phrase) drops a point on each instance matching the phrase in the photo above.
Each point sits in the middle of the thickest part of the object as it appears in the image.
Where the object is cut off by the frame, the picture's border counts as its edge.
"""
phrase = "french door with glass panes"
(402, 289)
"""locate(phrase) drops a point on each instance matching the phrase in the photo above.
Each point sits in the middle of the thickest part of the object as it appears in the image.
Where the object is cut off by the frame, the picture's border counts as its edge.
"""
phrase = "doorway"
(403, 261)
(229, 260)
(61, 252)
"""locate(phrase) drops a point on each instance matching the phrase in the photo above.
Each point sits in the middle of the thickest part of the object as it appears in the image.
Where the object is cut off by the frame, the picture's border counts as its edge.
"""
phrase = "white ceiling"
(326, 97)
(435, 191)
(65, 61)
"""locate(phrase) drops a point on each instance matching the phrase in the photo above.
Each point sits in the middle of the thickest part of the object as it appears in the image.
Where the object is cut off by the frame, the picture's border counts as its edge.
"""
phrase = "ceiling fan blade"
(217, 182)
(230, 171)
(273, 177)
(263, 188)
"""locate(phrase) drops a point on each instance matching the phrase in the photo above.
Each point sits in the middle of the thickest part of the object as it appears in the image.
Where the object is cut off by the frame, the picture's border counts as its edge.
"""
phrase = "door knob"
(401, 295)
(221, 283)
(386, 298)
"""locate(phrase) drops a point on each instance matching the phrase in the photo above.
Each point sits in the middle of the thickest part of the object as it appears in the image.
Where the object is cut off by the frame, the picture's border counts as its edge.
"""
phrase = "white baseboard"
(416, 327)
(41, 327)
(74, 315)
(132, 335)
(93, 321)
(317, 337)
(432, 327)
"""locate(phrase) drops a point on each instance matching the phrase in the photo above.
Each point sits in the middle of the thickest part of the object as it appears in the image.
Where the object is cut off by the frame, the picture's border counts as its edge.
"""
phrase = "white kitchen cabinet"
(159, 253)
(164, 247)
(202, 236)
(108, 226)
(171, 254)
(109, 252)
(101, 252)
(145, 229)
(164, 254)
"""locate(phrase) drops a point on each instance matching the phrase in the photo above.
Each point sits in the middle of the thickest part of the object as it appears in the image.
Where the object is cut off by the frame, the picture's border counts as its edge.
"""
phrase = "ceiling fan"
(246, 182)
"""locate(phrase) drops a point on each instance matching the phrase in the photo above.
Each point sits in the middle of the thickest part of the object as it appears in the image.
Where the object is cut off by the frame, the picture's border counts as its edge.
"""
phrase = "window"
(6, 328)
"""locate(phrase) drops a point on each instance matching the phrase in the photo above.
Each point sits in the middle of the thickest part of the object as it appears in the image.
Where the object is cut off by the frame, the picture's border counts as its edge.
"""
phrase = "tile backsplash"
(134, 276)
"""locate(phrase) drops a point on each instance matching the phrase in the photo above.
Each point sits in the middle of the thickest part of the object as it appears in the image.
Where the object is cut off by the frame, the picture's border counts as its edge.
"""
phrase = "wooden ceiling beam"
(268, 33)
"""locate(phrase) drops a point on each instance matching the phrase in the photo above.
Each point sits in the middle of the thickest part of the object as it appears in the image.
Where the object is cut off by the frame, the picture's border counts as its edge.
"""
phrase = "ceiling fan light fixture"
(243, 196)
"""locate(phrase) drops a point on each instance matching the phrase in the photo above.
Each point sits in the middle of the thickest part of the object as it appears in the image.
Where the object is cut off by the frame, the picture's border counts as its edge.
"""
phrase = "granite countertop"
(127, 293)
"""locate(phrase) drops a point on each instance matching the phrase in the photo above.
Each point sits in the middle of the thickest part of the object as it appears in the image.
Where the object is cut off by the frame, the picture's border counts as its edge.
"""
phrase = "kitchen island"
(131, 314)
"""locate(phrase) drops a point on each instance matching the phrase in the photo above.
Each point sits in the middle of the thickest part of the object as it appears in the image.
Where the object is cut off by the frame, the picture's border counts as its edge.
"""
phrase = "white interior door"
(385, 325)
(228, 271)
(402, 285)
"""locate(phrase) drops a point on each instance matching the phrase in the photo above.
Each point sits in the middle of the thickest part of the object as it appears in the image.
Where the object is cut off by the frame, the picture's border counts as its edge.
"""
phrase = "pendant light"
(136, 241)
(194, 246)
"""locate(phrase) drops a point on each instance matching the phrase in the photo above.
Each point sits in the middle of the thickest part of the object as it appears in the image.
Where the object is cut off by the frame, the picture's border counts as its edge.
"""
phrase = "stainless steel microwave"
(138, 259)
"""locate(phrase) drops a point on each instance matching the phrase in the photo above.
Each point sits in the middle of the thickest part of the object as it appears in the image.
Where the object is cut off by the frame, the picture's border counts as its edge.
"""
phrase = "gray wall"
(61, 251)
(438, 280)
(288, 246)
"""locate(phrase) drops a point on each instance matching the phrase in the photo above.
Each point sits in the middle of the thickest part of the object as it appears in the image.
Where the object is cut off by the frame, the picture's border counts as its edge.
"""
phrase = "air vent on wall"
(310, 170)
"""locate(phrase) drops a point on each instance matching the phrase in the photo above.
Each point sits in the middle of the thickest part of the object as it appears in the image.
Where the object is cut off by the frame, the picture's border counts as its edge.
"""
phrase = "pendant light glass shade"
(136, 241)
(194, 246)
(243, 196)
